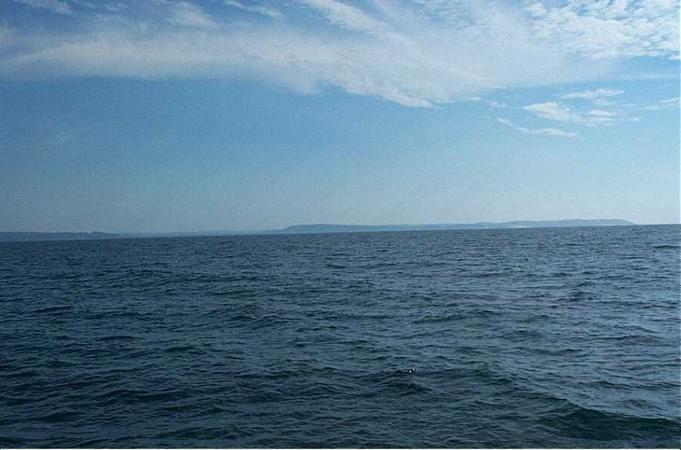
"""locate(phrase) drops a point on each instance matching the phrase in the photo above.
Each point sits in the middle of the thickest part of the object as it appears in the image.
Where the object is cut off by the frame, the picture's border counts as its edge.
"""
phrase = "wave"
(440, 340)
(431, 318)
(581, 422)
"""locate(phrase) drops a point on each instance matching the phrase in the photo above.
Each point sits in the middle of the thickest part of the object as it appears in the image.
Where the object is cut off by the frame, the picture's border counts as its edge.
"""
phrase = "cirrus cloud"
(55, 6)
(416, 54)
(539, 131)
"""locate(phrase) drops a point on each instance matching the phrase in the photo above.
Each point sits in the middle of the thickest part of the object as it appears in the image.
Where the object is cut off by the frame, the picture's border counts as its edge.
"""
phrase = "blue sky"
(206, 115)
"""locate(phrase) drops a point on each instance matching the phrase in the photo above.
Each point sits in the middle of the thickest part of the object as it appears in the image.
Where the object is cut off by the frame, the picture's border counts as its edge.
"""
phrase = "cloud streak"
(55, 6)
(347, 16)
(186, 14)
(563, 113)
(553, 111)
(592, 95)
(415, 54)
(255, 8)
(538, 131)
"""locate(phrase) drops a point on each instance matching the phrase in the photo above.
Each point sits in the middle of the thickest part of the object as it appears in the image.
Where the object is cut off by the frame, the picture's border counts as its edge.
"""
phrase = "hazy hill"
(330, 228)
(320, 228)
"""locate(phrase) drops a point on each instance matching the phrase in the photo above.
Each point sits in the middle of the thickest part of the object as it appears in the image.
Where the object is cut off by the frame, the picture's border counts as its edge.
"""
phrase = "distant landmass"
(321, 228)
(32, 236)
(328, 228)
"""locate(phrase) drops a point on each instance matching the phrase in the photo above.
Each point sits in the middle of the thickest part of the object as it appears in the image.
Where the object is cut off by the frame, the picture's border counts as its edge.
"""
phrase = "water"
(496, 338)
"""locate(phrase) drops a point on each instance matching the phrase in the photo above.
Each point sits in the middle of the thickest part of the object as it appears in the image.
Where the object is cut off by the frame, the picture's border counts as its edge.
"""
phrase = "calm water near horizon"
(478, 338)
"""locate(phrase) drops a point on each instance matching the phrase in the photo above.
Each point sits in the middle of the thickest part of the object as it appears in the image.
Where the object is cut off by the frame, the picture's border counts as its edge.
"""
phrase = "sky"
(207, 115)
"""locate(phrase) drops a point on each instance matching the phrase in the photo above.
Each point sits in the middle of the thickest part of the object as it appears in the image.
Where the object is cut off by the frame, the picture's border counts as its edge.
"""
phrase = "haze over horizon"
(329, 227)
(167, 116)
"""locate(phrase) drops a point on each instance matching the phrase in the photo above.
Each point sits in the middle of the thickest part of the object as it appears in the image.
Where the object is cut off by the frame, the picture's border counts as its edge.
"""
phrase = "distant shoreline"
(23, 236)
(333, 228)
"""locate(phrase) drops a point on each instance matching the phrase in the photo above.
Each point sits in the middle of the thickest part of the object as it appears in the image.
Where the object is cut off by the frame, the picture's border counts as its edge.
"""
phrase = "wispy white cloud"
(667, 103)
(115, 7)
(55, 6)
(347, 16)
(190, 15)
(600, 117)
(553, 111)
(495, 104)
(593, 95)
(539, 131)
(564, 113)
(255, 8)
(601, 113)
(609, 28)
(604, 114)
(412, 53)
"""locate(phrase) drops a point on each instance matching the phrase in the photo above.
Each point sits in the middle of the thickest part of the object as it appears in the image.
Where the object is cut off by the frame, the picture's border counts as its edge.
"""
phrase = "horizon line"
(283, 228)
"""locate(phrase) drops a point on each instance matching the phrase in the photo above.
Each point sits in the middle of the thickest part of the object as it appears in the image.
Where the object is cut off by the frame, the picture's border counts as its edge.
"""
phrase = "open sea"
(546, 337)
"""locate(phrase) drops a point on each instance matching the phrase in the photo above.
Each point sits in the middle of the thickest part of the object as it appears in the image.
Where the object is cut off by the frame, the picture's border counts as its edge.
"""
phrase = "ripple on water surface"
(495, 338)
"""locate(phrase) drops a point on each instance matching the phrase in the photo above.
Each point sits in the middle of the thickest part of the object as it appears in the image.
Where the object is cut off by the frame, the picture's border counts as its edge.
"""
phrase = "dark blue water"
(495, 338)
